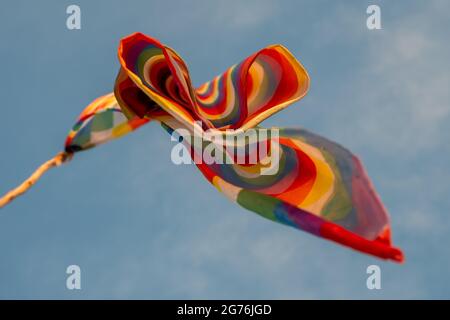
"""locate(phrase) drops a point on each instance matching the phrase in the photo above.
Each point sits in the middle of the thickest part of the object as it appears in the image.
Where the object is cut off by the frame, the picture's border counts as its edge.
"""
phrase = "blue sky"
(141, 227)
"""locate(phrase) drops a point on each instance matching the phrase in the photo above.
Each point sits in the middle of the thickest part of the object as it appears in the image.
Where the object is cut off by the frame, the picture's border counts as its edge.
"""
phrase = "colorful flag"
(316, 185)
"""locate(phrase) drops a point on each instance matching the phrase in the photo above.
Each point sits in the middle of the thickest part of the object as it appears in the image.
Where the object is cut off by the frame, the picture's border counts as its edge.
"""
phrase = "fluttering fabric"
(319, 186)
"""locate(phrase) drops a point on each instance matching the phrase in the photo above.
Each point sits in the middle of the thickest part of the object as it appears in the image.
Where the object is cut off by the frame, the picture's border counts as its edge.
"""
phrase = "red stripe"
(379, 249)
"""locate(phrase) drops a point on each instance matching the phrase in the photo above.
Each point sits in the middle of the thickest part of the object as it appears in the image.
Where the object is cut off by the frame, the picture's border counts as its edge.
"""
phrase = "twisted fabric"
(319, 186)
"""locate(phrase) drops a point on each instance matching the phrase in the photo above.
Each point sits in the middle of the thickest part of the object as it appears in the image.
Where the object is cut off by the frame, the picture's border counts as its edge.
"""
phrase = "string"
(56, 161)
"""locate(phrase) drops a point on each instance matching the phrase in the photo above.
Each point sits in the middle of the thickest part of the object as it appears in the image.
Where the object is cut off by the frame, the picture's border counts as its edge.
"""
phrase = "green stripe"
(261, 204)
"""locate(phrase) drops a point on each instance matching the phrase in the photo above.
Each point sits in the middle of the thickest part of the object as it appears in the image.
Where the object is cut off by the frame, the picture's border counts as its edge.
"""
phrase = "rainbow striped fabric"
(101, 121)
(317, 186)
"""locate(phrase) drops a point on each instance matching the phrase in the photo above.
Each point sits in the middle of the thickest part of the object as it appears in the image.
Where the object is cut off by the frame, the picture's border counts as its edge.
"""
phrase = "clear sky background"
(141, 227)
